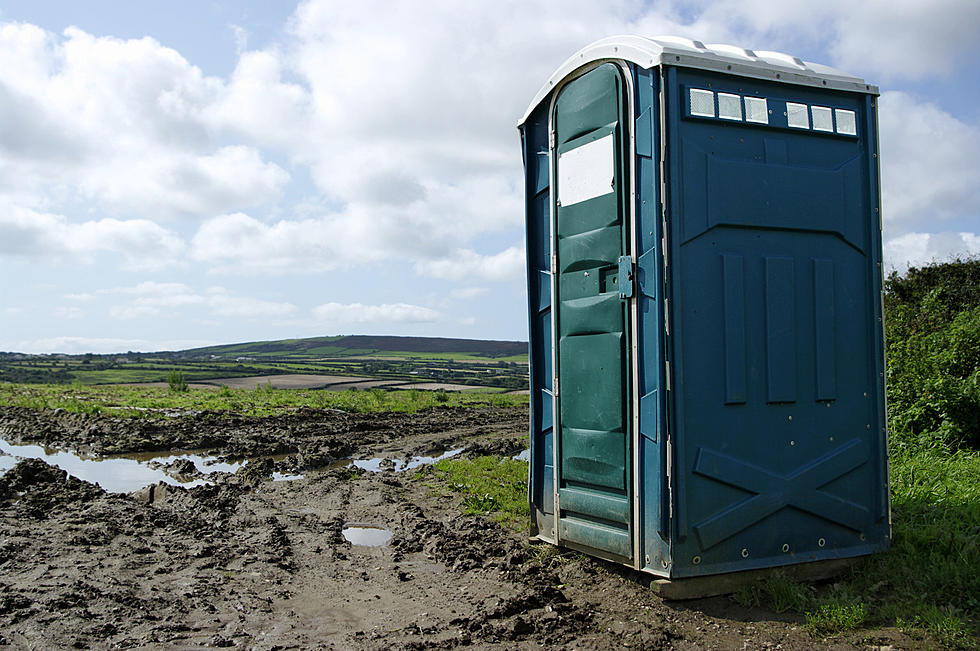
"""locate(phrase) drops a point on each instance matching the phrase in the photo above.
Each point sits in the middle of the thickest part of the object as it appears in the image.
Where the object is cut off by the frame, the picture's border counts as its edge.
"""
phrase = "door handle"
(626, 276)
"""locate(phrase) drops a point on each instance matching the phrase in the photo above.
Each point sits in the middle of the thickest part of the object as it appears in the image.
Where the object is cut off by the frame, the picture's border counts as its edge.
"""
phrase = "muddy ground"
(248, 562)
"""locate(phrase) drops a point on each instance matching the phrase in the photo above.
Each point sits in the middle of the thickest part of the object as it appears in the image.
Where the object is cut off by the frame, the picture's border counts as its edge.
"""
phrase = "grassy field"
(148, 402)
(500, 373)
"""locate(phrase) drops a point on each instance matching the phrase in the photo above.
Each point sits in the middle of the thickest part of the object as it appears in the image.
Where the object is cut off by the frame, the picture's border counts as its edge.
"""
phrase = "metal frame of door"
(629, 223)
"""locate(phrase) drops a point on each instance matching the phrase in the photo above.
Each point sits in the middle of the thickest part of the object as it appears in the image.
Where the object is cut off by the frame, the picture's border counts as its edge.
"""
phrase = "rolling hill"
(363, 345)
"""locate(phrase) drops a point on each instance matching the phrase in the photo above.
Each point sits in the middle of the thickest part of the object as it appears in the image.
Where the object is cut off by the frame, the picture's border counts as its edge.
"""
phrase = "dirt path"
(259, 564)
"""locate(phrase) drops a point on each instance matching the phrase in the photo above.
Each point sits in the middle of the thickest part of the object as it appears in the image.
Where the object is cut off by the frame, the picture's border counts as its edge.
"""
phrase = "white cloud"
(878, 39)
(347, 313)
(68, 313)
(467, 293)
(153, 299)
(930, 163)
(142, 243)
(243, 244)
(178, 183)
(465, 263)
(120, 123)
(918, 249)
(244, 306)
(150, 287)
(104, 345)
(403, 122)
(257, 104)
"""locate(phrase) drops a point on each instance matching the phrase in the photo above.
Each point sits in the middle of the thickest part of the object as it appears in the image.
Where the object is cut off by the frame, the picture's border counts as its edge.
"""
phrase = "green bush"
(176, 381)
(932, 329)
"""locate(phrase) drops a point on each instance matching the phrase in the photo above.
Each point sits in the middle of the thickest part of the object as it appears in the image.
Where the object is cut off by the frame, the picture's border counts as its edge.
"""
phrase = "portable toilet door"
(704, 288)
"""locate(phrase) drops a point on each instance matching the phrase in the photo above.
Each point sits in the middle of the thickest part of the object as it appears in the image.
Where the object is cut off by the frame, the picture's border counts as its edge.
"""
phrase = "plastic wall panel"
(775, 335)
(538, 232)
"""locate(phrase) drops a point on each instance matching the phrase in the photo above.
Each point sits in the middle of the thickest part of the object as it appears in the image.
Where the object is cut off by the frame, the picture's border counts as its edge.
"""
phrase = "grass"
(928, 582)
(176, 382)
(261, 401)
(489, 485)
(835, 618)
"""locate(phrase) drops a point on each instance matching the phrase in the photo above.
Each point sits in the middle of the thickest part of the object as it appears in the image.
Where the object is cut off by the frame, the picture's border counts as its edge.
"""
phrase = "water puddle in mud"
(378, 464)
(124, 473)
(366, 535)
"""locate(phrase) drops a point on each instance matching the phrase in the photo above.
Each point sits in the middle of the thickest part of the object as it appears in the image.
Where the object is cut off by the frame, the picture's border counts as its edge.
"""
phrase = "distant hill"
(354, 345)
(471, 362)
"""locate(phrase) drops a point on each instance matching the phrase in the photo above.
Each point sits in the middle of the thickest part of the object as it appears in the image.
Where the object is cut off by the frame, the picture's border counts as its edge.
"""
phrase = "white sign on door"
(587, 172)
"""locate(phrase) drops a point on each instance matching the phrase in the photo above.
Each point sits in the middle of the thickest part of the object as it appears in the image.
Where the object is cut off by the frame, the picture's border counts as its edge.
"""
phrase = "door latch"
(625, 276)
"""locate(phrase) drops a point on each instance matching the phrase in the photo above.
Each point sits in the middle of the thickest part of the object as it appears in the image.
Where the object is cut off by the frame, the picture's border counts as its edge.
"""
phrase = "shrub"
(176, 381)
(932, 319)
(380, 396)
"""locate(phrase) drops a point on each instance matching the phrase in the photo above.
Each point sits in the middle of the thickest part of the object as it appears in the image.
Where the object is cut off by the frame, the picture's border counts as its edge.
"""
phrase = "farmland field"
(469, 363)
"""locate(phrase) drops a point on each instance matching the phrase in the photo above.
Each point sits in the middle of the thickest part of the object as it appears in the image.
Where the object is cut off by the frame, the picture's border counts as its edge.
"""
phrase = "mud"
(252, 563)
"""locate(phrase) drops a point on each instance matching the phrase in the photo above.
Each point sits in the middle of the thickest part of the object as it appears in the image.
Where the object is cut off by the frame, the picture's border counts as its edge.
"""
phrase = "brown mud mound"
(252, 563)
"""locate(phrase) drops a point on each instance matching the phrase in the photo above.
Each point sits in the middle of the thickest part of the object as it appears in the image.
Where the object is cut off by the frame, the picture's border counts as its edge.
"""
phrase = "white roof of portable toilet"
(678, 51)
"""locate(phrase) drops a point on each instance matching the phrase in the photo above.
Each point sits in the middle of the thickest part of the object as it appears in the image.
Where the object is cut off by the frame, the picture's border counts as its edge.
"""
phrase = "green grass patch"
(264, 400)
(835, 618)
(489, 485)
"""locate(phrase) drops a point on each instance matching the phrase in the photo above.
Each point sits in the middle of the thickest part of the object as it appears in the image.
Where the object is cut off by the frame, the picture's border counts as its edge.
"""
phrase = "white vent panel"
(702, 103)
(797, 115)
(729, 106)
(846, 122)
(756, 110)
(823, 118)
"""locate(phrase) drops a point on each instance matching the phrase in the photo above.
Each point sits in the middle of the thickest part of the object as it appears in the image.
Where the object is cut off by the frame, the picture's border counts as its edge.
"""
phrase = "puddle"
(114, 474)
(6, 463)
(366, 535)
(124, 473)
(375, 465)
(523, 456)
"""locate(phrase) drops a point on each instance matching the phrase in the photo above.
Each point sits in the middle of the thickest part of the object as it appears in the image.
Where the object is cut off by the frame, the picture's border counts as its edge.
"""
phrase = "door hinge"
(552, 139)
(626, 276)
(554, 263)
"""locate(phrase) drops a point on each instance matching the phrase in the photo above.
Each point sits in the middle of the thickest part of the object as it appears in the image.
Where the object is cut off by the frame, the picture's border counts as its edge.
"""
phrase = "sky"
(187, 173)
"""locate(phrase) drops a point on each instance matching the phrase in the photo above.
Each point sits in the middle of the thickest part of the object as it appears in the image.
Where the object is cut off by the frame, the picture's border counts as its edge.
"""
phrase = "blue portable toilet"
(704, 292)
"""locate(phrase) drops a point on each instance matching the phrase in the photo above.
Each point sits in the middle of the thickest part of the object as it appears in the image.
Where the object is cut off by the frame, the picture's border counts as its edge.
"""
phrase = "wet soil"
(248, 562)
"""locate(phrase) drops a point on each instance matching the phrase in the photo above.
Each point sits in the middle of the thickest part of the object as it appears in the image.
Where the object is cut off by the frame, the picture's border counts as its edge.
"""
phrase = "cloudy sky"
(182, 173)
